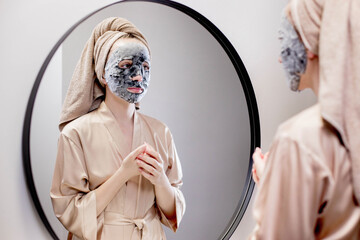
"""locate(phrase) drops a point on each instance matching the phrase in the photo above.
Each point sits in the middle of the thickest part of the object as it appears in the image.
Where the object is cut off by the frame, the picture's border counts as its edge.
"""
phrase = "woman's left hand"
(259, 161)
(151, 167)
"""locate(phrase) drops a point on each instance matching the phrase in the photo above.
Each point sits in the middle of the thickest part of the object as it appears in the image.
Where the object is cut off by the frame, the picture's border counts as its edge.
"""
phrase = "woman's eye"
(286, 52)
(146, 67)
(125, 65)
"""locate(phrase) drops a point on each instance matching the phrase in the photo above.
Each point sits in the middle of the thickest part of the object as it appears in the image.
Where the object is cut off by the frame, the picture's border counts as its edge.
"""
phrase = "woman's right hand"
(129, 166)
(128, 169)
(259, 161)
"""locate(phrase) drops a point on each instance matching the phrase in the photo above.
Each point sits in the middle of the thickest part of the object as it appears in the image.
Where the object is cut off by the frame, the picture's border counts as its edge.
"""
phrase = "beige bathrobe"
(306, 190)
(90, 150)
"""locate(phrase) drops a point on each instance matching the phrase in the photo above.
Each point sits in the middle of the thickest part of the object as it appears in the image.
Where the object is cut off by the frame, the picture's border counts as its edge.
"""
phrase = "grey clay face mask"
(293, 53)
(120, 78)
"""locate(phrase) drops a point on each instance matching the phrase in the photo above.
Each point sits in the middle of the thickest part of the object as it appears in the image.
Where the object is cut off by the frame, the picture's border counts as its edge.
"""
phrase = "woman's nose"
(137, 78)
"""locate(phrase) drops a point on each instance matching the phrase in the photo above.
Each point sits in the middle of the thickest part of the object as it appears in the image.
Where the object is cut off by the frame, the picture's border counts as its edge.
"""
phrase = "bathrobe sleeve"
(174, 174)
(73, 202)
(290, 192)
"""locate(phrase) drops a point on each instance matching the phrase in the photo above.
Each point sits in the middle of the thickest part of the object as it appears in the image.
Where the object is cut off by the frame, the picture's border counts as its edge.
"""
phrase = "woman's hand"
(129, 166)
(152, 168)
(128, 169)
(259, 164)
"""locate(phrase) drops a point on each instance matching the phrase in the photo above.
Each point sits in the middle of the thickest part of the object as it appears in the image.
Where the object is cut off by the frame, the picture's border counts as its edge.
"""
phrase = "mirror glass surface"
(194, 89)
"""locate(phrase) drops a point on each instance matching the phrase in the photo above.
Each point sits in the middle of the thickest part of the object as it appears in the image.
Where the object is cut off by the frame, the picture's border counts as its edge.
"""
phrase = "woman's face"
(127, 71)
(293, 52)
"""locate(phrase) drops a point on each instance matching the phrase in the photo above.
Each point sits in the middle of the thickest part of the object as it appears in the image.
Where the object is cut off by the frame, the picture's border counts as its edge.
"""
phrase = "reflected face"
(127, 72)
(293, 53)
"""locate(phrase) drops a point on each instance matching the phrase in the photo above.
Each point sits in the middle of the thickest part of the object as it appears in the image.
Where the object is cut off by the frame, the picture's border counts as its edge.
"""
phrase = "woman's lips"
(135, 90)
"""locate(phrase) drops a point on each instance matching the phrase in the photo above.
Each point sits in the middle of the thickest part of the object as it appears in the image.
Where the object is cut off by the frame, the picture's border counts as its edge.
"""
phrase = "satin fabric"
(90, 150)
(306, 190)
(331, 29)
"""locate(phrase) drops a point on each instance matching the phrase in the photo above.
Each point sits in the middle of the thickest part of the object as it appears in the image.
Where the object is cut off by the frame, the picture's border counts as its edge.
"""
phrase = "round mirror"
(199, 88)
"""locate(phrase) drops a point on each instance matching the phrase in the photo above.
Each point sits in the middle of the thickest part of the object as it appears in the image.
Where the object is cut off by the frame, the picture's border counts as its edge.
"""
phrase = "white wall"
(29, 29)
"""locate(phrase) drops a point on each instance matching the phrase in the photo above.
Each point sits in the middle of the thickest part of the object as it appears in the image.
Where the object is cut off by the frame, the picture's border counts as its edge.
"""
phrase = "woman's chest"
(104, 153)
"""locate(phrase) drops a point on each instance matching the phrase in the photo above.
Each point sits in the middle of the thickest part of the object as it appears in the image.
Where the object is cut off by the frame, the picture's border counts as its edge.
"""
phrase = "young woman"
(309, 182)
(117, 173)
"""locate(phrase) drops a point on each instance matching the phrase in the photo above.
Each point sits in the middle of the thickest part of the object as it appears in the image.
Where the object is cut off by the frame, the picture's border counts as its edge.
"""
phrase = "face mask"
(293, 53)
(131, 59)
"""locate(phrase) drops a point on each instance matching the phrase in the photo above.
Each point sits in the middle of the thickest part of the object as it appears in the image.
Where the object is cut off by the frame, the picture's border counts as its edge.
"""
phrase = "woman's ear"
(103, 81)
(311, 55)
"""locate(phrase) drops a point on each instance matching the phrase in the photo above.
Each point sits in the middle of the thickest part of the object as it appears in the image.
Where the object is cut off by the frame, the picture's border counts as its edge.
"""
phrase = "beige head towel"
(85, 91)
(331, 29)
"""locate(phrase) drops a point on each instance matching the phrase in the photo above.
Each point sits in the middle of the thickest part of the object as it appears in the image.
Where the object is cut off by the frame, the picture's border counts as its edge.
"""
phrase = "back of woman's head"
(331, 29)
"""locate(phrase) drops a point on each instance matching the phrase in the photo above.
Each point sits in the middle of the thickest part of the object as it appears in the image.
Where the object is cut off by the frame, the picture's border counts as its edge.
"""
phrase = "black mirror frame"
(245, 82)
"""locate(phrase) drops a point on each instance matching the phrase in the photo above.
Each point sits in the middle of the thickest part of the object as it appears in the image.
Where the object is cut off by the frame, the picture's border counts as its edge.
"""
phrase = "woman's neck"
(314, 79)
(121, 109)
(310, 79)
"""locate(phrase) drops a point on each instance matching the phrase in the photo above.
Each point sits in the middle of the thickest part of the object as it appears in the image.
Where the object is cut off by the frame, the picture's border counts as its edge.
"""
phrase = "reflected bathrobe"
(90, 150)
(306, 190)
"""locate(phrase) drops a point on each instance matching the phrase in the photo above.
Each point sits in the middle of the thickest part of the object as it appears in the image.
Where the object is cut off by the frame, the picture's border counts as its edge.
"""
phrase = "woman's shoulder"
(308, 120)
(79, 125)
(309, 131)
(157, 126)
(153, 122)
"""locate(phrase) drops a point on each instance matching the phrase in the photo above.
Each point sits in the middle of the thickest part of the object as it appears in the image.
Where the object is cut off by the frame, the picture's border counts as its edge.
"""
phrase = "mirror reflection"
(194, 89)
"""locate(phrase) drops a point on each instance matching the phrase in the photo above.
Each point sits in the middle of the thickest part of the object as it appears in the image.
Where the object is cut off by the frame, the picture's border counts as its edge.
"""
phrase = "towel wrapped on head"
(331, 29)
(86, 90)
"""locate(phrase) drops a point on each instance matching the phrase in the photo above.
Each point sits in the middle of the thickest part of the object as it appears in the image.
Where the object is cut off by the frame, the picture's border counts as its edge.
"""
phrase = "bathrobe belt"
(140, 230)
